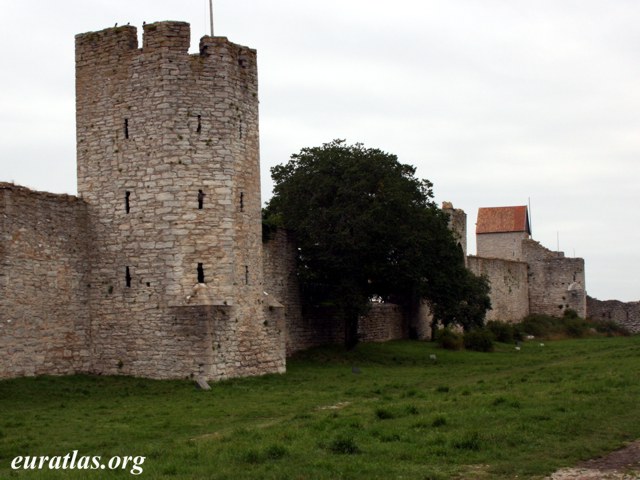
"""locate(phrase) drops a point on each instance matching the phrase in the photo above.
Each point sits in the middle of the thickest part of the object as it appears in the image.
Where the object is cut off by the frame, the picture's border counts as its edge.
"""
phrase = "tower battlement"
(173, 36)
(112, 46)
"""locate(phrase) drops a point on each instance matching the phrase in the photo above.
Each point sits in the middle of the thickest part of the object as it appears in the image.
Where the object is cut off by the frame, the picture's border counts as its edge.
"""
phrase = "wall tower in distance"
(168, 164)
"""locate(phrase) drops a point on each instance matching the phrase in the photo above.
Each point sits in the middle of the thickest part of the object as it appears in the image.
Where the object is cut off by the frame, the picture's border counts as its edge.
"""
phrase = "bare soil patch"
(623, 464)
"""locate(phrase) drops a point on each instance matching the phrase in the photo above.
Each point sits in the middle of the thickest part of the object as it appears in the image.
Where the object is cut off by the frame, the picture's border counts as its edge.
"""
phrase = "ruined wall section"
(281, 283)
(556, 283)
(509, 287)
(626, 314)
(168, 163)
(44, 248)
(457, 224)
(507, 246)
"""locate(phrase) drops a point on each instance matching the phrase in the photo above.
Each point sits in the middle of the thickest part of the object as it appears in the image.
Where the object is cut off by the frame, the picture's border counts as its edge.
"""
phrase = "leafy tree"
(365, 226)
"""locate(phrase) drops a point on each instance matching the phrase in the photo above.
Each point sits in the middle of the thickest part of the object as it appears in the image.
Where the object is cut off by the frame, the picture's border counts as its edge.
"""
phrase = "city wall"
(44, 318)
(308, 326)
(509, 287)
(626, 314)
(556, 283)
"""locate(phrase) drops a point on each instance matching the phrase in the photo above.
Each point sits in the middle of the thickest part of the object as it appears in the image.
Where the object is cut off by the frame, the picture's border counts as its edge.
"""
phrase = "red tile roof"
(503, 220)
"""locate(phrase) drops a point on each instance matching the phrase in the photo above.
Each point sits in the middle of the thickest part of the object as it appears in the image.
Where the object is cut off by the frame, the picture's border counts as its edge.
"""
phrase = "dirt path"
(623, 464)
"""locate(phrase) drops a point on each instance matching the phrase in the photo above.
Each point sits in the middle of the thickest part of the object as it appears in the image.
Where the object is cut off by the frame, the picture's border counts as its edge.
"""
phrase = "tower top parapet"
(109, 46)
(167, 35)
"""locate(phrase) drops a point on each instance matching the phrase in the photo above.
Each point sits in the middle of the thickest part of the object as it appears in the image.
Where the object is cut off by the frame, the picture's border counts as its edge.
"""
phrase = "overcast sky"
(494, 101)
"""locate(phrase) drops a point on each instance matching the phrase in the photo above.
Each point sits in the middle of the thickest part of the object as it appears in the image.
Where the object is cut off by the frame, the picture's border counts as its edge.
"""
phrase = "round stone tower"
(168, 163)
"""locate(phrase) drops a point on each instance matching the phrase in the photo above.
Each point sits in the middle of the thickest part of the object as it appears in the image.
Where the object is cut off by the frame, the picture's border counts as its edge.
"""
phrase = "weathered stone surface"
(509, 287)
(157, 271)
(168, 163)
(626, 314)
(554, 282)
(44, 318)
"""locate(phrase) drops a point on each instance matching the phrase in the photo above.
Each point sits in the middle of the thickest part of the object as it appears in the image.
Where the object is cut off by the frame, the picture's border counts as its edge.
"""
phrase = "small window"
(126, 128)
(200, 273)
(199, 129)
(127, 206)
(201, 195)
(242, 201)
(127, 277)
(246, 274)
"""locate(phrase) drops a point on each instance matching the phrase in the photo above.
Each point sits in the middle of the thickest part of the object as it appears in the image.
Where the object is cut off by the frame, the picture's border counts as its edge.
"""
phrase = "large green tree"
(366, 227)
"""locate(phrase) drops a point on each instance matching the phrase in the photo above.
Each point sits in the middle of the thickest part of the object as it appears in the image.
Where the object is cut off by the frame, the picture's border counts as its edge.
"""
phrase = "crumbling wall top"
(18, 189)
(112, 39)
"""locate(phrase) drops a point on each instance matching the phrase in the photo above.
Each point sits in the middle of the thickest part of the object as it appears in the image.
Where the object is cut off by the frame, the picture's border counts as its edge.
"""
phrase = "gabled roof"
(503, 220)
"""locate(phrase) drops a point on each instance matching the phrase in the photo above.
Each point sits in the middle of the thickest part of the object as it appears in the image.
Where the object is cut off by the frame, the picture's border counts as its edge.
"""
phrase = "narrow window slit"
(242, 201)
(246, 274)
(199, 129)
(126, 128)
(127, 206)
(200, 273)
(201, 195)
(240, 129)
(127, 277)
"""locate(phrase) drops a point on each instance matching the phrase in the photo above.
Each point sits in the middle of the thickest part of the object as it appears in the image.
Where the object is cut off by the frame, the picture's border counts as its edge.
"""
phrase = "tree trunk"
(350, 329)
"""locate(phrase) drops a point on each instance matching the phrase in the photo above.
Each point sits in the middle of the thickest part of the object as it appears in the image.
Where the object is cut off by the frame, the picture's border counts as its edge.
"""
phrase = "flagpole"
(211, 15)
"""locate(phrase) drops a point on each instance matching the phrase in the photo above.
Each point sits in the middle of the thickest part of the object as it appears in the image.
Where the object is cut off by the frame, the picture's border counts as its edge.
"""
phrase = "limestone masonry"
(525, 277)
(158, 268)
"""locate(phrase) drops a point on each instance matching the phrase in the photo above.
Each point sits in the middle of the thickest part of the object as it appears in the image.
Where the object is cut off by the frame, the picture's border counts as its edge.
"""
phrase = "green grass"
(467, 415)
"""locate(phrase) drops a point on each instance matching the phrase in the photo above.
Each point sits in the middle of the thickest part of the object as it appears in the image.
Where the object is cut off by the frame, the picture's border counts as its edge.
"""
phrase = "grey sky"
(494, 101)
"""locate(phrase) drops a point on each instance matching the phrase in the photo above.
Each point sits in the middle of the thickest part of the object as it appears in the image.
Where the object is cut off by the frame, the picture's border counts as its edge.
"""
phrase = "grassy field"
(399, 415)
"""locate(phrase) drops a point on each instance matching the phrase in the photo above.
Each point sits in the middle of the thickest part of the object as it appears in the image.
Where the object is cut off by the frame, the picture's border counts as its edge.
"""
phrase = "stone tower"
(501, 230)
(458, 225)
(168, 164)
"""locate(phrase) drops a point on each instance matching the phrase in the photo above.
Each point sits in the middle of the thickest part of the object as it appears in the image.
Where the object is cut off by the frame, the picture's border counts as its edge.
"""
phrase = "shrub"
(609, 328)
(539, 325)
(449, 339)
(501, 331)
(574, 327)
(480, 340)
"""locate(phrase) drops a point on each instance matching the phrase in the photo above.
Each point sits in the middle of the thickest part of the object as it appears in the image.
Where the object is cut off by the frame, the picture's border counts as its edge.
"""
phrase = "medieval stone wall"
(281, 282)
(626, 314)
(308, 327)
(507, 246)
(168, 163)
(509, 287)
(384, 322)
(556, 283)
(44, 319)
